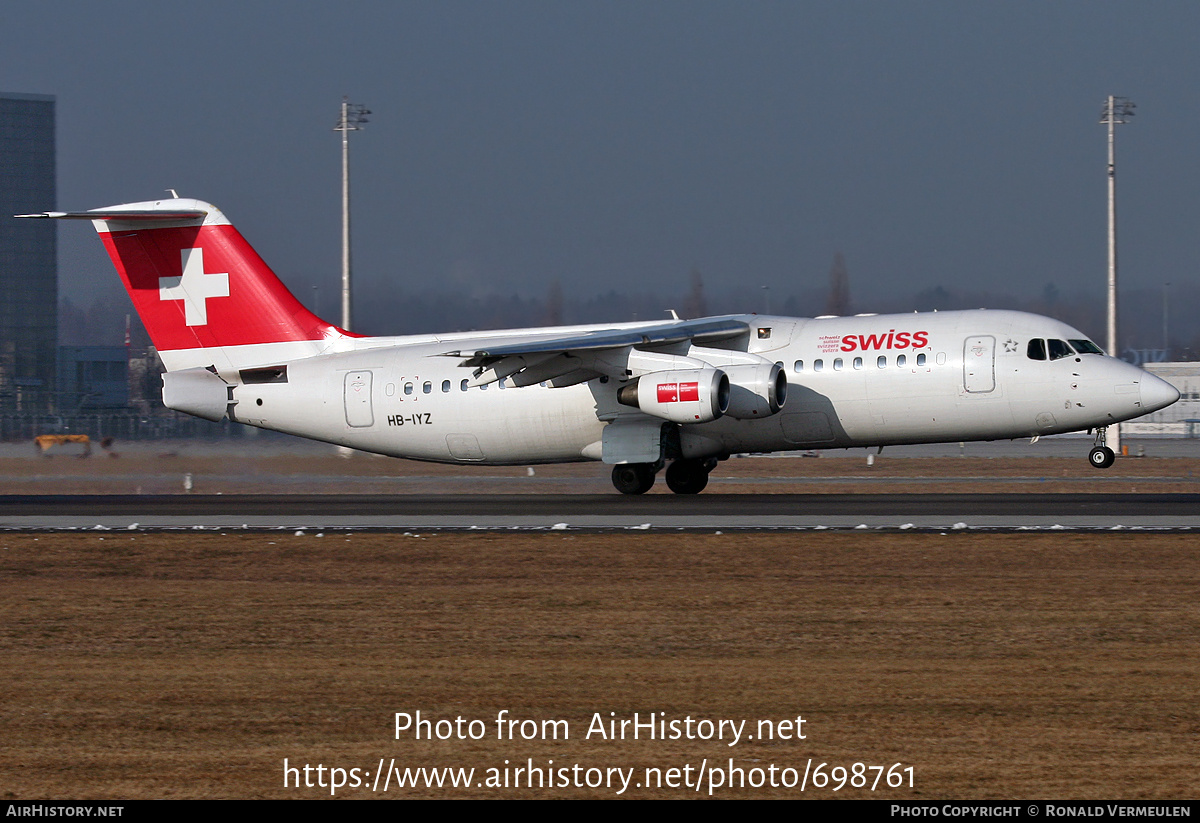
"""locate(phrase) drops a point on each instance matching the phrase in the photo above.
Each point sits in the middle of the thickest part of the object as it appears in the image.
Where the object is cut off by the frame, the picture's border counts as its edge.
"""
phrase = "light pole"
(353, 118)
(1117, 110)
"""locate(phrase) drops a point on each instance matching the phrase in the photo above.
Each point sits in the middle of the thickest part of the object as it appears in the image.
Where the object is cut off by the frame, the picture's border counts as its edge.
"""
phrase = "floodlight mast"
(1117, 111)
(353, 118)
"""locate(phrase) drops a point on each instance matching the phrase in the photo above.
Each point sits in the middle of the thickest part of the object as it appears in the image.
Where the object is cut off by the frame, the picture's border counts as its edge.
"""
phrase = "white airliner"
(681, 393)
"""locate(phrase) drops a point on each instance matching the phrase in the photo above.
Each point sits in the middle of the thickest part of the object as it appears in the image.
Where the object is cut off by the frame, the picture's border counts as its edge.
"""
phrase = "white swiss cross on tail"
(194, 287)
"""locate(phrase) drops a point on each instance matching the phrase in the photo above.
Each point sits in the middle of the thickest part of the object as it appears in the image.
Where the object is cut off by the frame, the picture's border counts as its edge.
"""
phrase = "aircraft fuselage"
(852, 381)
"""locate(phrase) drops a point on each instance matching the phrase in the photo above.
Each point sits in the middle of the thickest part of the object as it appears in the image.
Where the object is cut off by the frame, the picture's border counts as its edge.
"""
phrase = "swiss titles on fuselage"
(891, 339)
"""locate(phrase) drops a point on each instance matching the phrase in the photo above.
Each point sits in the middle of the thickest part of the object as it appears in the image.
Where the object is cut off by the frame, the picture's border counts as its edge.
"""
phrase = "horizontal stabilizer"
(140, 214)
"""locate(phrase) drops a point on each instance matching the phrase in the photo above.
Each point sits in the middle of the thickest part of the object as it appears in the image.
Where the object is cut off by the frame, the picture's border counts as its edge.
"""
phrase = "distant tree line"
(431, 310)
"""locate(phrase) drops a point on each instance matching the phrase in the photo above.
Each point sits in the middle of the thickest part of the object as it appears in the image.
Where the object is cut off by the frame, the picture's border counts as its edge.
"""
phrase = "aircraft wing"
(574, 358)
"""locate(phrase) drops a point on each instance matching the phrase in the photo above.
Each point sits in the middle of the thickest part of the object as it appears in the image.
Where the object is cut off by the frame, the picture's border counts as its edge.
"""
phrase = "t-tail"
(205, 296)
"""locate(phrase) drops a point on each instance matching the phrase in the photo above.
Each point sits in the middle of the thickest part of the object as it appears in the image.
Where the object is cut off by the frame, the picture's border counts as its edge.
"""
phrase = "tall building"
(28, 254)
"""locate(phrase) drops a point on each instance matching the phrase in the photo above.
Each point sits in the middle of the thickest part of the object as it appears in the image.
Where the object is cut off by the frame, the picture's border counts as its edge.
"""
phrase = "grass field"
(144, 665)
(326, 473)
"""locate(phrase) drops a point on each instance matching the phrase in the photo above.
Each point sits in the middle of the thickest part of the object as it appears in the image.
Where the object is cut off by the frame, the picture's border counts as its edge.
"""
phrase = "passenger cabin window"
(798, 366)
(881, 362)
(427, 388)
(818, 365)
(445, 385)
(920, 360)
(1036, 350)
(408, 388)
(463, 385)
(901, 360)
(1086, 347)
(837, 364)
(858, 362)
(1059, 349)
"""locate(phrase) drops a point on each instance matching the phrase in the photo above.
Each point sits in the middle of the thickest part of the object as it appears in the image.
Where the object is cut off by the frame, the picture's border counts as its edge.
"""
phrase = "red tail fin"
(197, 284)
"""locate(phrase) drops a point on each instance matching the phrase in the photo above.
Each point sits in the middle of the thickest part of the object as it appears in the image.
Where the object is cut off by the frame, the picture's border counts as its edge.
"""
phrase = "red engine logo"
(676, 392)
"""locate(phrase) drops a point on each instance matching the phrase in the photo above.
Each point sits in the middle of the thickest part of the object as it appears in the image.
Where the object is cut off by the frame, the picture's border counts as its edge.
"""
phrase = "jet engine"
(679, 395)
(757, 390)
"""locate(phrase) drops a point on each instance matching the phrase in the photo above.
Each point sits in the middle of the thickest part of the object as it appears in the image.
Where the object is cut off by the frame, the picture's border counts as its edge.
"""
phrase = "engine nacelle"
(679, 395)
(757, 390)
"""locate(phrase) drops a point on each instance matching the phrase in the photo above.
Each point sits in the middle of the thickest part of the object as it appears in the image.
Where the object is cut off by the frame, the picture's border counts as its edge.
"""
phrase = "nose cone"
(1157, 393)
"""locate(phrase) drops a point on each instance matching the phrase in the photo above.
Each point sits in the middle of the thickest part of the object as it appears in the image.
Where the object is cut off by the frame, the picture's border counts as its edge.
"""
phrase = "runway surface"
(609, 511)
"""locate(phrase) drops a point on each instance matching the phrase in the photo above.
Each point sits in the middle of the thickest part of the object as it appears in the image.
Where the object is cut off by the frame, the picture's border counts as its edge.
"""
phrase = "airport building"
(93, 377)
(28, 255)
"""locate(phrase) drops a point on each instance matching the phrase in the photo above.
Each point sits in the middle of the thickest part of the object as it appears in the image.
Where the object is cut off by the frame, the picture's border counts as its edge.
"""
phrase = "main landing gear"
(634, 478)
(1101, 456)
(689, 476)
(684, 476)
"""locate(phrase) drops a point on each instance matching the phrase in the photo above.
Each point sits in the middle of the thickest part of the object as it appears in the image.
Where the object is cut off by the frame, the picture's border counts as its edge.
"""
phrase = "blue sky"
(619, 145)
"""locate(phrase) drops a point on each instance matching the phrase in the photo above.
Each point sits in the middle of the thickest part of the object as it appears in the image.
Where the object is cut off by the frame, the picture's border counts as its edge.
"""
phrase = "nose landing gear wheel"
(687, 476)
(633, 478)
(1101, 457)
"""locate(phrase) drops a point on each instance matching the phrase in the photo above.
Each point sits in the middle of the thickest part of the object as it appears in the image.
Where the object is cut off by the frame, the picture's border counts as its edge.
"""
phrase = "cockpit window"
(1086, 347)
(1059, 349)
(1036, 350)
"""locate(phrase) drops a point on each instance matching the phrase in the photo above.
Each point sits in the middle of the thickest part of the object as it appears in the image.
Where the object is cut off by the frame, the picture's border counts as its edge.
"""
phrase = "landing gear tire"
(633, 478)
(1101, 457)
(687, 476)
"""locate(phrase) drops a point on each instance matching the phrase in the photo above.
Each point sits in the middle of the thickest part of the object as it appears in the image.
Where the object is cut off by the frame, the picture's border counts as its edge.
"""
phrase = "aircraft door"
(979, 364)
(358, 399)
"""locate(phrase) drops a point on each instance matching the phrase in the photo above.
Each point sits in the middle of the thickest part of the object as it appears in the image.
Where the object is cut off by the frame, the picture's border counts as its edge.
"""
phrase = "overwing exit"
(682, 394)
